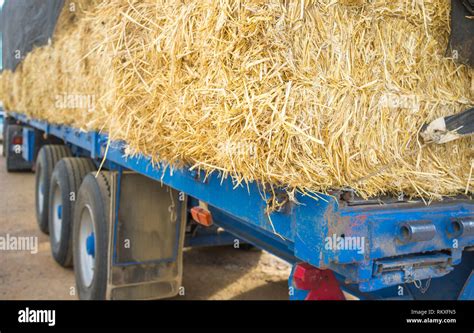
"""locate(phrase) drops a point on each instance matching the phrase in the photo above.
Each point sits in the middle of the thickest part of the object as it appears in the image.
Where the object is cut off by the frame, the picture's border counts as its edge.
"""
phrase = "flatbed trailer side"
(403, 244)
(2, 117)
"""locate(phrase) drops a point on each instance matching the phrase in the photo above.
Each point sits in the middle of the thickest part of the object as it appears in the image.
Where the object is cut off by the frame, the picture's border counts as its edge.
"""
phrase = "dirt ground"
(209, 273)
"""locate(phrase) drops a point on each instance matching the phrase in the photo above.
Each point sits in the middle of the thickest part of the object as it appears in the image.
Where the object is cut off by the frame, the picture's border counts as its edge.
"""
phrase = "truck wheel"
(13, 146)
(65, 182)
(90, 237)
(48, 156)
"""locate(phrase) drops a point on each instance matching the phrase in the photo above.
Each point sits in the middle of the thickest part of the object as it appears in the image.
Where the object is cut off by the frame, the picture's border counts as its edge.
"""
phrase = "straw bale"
(306, 95)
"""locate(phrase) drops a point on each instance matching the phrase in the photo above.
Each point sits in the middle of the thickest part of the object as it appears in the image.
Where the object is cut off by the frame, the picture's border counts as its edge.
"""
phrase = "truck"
(123, 221)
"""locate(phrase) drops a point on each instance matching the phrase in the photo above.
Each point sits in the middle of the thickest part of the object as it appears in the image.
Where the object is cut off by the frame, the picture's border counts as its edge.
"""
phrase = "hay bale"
(308, 95)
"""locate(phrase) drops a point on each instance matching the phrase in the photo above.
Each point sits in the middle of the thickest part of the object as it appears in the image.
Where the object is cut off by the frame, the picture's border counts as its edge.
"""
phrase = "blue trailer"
(2, 122)
(124, 227)
(2, 117)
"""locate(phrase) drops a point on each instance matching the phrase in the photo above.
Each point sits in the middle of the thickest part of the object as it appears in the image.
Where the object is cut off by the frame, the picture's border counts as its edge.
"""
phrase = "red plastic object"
(321, 284)
(201, 216)
(17, 140)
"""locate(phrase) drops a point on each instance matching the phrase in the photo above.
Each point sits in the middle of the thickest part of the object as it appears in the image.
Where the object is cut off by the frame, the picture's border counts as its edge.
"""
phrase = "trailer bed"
(375, 248)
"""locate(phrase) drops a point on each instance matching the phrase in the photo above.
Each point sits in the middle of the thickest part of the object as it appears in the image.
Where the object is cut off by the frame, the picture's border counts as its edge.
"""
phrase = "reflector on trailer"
(17, 140)
(320, 284)
(201, 216)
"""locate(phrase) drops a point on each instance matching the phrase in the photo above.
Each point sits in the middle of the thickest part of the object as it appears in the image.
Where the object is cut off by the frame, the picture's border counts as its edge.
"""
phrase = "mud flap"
(146, 235)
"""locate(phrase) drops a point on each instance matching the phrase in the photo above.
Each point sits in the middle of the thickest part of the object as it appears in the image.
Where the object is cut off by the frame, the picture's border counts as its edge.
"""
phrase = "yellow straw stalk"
(308, 95)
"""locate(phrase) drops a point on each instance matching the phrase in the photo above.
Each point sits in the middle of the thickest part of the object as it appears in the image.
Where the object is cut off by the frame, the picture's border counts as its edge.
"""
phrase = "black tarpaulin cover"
(26, 24)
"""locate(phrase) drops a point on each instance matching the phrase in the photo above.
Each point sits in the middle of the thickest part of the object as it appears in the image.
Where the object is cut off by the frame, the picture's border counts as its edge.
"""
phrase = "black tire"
(48, 156)
(14, 160)
(93, 204)
(65, 182)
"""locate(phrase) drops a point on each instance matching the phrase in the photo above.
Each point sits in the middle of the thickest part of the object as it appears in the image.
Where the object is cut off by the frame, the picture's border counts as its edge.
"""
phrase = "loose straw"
(310, 96)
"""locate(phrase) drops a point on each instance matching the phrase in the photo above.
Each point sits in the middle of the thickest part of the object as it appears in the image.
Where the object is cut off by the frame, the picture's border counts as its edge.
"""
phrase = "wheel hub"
(87, 246)
(90, 245)
(60, 212)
